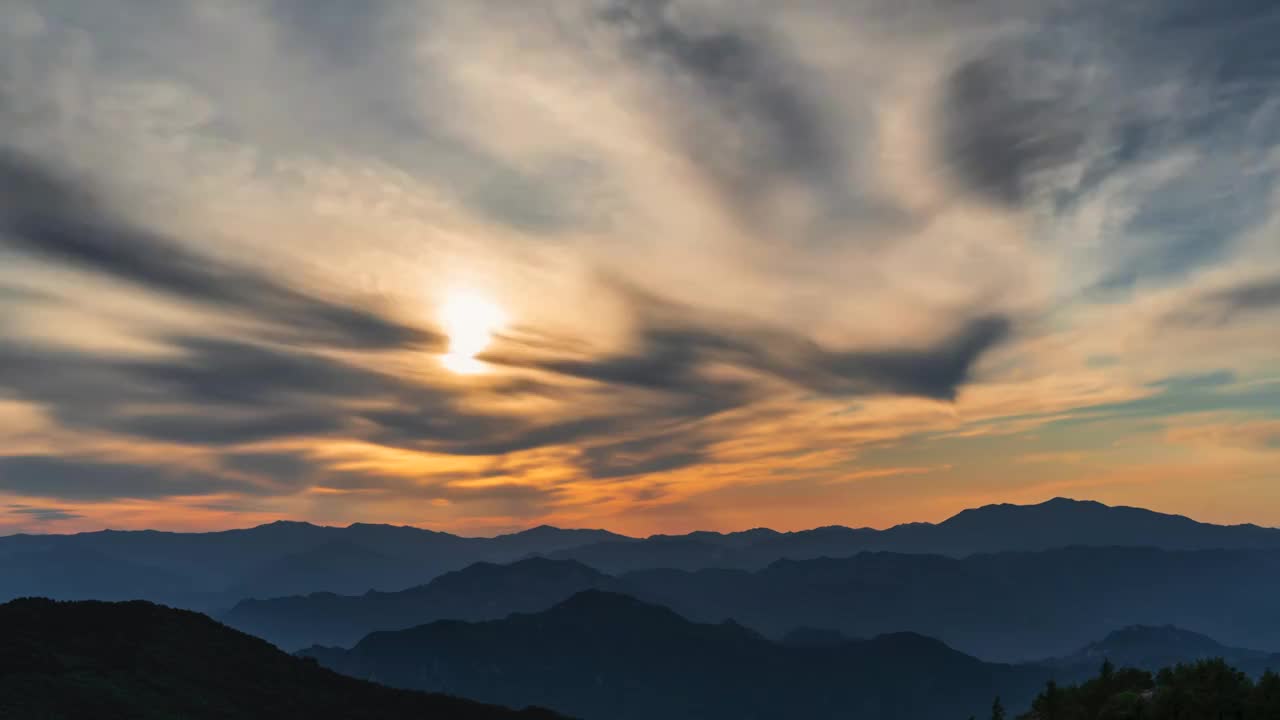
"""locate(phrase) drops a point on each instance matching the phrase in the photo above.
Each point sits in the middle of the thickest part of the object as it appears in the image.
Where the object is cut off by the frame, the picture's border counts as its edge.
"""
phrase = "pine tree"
(997, 709)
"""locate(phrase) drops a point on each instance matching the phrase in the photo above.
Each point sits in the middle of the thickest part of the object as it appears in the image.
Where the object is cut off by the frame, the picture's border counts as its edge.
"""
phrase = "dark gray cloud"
(936, 371)
(460, 433)
(642, 456)
(41, 514)
(1226, 305)
(675, 348)
(55, 219)
(673, 358)
(1003, 125)
(1261, 295)
(224, 371)
(209, 392)
(282, 467)
(90, 480)
(1076, 71)
(223, 392)
(653, 390)
(1106, 88)
(201, 427)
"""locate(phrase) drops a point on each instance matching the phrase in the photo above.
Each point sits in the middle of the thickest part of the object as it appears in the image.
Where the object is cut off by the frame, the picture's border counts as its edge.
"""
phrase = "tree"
(1264, 701)
(1048, 705)
(997, 709)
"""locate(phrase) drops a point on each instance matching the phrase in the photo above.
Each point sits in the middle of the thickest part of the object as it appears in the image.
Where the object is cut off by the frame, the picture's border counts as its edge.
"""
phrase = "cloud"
(1216, 378)
(42, 514)
(1184, 395)
(745, 82)
(209, 392)
(281, 467)
(479, 434)
(1226, 305)
(1005, 124)
(674, 351)
(910, 226)
(644, 456)
(1251, 434)
(751, 118)
(89, 480)
(56, 220)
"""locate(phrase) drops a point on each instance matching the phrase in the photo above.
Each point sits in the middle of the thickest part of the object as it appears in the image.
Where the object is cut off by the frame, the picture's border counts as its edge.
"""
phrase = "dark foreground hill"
(139, 661)
(605, 656)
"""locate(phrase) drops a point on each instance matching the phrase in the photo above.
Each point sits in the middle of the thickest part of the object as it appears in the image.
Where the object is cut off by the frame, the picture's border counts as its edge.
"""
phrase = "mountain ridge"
(1151, 647)
(994, 606)
(623, 658)
(213, 571)
(1058, 501)
(141, 661)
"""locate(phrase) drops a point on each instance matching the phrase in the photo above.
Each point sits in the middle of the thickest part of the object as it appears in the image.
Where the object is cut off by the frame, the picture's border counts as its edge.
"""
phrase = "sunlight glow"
(469, 320)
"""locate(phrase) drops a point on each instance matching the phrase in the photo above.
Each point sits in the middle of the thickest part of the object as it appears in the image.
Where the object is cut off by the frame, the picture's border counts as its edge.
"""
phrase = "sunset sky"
(647, 265)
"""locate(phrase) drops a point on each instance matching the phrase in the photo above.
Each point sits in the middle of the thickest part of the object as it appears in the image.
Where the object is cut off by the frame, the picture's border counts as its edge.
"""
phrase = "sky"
(648, 265)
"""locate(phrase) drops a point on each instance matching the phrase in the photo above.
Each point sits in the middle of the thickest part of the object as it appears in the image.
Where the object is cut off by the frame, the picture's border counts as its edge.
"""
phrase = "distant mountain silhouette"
(1053, 524)
(1151, 647)
(68, 571)
(1005, 606)
(480, 592)
(606, 656)
(139, 661)
(678, 552)
(340, 565)
(211, 571)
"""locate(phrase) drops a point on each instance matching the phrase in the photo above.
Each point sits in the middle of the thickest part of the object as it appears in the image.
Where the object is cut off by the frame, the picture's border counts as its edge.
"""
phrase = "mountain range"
(1052, 524)
(483, 591)
(1152, 647)
(1004, 606)
(597, 654)
(916, 621)
(211, 571)
(139, 661)
(606, 656)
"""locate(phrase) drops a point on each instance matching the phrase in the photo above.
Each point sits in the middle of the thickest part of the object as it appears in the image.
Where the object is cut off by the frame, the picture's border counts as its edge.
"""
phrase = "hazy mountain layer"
(211, 571)
(1005, 606)
(604, 656)
(139, 661)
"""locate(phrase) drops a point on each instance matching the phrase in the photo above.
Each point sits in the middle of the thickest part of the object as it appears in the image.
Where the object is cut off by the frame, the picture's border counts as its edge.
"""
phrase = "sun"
(469, 320)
